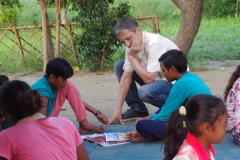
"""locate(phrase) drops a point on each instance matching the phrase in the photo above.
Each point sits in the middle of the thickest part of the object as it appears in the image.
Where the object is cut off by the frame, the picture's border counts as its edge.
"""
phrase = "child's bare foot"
(99, 129)
(63, 108)
(134, 136)
(86, 127)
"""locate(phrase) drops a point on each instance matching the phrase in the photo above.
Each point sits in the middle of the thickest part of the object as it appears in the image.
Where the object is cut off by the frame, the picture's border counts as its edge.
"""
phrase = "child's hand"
(102, 118)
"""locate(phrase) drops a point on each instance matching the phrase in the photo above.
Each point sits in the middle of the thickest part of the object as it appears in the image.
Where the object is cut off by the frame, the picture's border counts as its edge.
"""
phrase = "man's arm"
(44, 106)
(147, 77)
(101, 117)
(124, 86)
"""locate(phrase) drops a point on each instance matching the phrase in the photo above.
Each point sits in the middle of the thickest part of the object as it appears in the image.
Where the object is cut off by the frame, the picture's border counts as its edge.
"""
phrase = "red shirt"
(192, 149)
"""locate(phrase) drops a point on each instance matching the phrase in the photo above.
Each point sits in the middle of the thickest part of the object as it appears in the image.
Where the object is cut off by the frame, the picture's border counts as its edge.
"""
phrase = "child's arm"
(101, 117)
(81, 153)
(175, 99)
(44, 106)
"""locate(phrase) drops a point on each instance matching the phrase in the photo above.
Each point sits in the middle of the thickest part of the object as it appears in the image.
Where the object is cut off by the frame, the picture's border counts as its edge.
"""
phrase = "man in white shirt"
(141, 65)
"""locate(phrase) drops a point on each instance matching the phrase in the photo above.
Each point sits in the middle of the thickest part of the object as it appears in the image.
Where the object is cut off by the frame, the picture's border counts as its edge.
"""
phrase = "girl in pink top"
(205, 118)
(232, 98)
(33, 135)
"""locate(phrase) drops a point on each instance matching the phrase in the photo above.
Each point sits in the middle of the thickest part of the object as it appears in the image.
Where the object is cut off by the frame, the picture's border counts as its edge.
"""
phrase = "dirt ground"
(101, 90)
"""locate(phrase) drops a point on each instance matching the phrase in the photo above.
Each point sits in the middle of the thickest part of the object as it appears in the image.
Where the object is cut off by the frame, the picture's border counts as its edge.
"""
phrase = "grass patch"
(217, 39)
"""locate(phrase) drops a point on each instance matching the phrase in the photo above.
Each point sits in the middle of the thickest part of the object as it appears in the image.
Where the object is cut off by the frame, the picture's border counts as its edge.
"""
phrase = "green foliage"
(8, 17)
(30, 14)
(8, 14)
(10, 3)
(164, 8)
(217, 39)
(97, 41)
(219, 8)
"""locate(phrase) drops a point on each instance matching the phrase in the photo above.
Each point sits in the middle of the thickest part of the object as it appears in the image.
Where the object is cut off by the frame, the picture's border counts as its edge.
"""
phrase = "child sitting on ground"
(173, 63)
(232, 99)
(56, 86)
(205, 117)
(35, 136)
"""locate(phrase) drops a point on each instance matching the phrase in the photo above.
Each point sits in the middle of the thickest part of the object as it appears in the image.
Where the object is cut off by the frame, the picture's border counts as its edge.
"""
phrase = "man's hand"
(136, 46)
(102, 118)
(144, 118)
(117, 115)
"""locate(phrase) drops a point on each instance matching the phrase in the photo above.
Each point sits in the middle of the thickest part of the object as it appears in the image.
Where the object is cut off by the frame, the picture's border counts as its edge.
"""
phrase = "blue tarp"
(148, 150)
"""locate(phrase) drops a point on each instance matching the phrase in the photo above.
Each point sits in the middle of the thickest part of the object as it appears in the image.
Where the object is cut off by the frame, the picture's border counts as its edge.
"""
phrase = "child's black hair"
(59, 67)
(3, 79)
(18, 100)
(175, 58)
(235, 75)
(199, 109)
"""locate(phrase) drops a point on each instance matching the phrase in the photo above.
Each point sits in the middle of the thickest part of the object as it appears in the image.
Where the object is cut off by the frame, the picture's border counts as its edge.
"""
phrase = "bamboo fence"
(21, 47)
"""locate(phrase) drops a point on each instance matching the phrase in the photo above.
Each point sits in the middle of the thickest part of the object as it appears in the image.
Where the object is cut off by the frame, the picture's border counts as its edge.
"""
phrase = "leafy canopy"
(97, 40)
(8, 12)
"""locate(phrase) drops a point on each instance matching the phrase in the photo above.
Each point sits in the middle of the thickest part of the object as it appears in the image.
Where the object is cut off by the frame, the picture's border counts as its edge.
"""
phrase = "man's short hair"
(125, 23)
(59, 67)
(175, 58)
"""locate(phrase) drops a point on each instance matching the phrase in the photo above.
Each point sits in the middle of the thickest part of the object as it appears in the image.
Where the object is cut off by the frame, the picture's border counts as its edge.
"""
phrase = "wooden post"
(70, 31)
(45, 36)
(156, 23)
(18, 41)
(57, 43)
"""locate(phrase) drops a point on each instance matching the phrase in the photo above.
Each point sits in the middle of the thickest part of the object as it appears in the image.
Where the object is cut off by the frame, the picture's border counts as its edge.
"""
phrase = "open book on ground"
(108, 139)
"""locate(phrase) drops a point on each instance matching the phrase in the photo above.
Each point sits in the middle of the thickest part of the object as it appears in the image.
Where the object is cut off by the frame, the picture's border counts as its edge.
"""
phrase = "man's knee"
(143, 93)
(118, 65)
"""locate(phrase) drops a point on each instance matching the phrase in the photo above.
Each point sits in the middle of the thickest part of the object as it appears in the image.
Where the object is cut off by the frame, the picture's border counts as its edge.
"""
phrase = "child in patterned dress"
(232, 99)
(205, 117)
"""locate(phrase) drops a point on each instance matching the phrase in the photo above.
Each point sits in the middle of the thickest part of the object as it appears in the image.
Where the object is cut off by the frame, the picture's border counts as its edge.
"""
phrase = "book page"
(115, 137)
(101, 139)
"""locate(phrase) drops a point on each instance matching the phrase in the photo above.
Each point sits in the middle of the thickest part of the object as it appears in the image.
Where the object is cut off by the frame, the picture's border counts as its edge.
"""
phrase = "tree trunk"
(102, 61)
(43, 5)
(191, 19)
(236, 15)
(57, 43)
(64, 15)
(50, 52)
